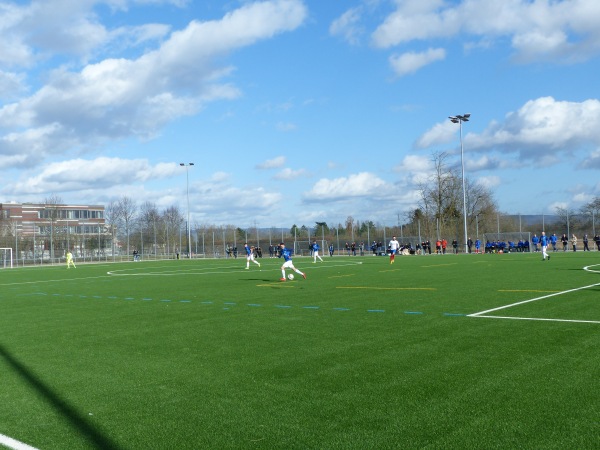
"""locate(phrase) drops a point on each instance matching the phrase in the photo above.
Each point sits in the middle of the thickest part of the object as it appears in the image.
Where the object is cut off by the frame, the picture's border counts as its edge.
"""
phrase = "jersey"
(544, 241)
(248, 251)
(315, 247)
(286, 253)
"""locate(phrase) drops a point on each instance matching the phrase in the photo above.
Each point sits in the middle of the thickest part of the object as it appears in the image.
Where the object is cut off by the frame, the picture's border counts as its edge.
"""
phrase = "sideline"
(14, 444)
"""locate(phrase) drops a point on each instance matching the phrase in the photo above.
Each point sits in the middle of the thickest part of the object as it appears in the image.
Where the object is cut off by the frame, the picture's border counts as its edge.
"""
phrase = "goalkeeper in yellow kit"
(70, 260)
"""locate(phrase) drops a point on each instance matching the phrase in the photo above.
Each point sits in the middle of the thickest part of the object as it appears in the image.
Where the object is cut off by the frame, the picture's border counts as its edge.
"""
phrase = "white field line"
(485, 313)
(14, 444)
(213, 271)
(536, 318)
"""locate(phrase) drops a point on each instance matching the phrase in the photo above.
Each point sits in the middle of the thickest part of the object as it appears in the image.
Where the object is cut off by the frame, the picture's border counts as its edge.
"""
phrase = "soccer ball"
(291, 276)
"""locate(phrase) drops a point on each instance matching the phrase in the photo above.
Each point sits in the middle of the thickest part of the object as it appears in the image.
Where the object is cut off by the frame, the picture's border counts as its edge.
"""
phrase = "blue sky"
(297, 111)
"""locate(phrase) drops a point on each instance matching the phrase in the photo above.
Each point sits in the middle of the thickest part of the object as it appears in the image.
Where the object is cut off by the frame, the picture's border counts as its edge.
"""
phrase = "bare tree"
(173, 219)
(51, 206)
(441, 201)
(126, 209)
(568, 219)
(591, 210)
(149, 219)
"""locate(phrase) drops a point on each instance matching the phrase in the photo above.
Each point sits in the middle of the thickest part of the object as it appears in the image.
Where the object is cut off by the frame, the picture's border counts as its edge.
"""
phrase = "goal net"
(304, 248)
(7, 258)
(518, 241)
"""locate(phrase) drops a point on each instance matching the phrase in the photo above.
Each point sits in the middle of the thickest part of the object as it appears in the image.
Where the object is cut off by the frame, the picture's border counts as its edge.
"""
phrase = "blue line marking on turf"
(113, 297)
(253, 304)
(282, 306)
(376, 310)
(83, 296)
(341, 309)
(207, 303)
(229, 303)
(452, 314)
(165, 300)
(310, 307)
(56, 295)
(147, 299)
(97, 296)
(413, 312)
(185, 301)
(129, 298)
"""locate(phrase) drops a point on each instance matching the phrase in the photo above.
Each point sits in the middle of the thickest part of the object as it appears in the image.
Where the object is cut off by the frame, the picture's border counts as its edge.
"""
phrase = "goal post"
(304, 248)
(7, 257)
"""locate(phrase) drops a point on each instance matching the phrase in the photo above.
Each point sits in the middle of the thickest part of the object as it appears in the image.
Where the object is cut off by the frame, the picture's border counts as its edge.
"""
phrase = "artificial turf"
(363, 354)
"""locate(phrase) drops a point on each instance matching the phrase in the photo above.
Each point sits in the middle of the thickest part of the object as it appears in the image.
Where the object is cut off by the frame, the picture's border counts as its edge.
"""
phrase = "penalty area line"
(14, 444)
(386, 288)
(540, 319)
(485, 313)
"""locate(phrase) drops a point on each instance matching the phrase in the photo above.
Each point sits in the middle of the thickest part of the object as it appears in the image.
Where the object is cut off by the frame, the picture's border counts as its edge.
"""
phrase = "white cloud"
(489, 182)
(347, 26)
(80, 174)
(11, 85)
(414, 163)
(411, 62)
(120, 98)
(274, 163)
(559, 30)
(286, 126)
(542, 126)
(289, 174)
(441, 133)
(592, 162)
(361, 185)
(542, 129)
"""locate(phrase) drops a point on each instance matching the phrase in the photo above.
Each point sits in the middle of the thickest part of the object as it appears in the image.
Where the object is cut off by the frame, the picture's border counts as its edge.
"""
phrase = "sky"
(298, 111)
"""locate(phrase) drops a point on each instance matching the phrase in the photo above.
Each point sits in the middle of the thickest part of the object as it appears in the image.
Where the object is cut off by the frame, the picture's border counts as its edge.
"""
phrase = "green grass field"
(361, 355)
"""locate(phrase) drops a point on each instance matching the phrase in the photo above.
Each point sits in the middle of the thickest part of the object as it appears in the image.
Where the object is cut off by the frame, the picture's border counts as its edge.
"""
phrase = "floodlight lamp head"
(467, 115)
(181, 164)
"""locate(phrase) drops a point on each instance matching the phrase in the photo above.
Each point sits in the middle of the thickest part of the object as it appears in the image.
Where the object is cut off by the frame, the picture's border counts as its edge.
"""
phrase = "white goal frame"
(4, 251)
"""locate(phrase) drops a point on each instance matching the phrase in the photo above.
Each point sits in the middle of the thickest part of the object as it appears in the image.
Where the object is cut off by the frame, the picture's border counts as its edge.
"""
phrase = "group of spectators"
(565, 241)
(441, 246)
(535, 246)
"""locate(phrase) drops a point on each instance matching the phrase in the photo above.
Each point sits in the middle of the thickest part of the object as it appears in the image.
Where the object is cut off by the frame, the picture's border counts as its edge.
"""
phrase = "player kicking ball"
(288, 264)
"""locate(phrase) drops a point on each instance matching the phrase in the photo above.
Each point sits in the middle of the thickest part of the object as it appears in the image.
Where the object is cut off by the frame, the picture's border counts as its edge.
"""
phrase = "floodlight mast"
(459, 119)
(187, 186)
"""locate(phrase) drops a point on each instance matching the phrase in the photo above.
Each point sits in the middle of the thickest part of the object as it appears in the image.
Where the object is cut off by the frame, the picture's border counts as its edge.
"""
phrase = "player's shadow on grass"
(94, 436)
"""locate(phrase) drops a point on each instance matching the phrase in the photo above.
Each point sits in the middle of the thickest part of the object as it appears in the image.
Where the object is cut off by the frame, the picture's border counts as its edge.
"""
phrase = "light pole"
(187, 188)
(459, 120)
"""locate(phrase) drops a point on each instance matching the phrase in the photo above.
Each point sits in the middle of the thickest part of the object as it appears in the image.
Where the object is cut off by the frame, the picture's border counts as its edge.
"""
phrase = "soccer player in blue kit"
(250, 256)
(544, 241)
(288, 264)
(315, 248)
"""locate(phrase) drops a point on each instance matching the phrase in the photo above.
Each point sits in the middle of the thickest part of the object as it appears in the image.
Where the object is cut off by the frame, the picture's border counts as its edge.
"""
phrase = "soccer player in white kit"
(394, 247)
(250, 256)
(544, 241)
